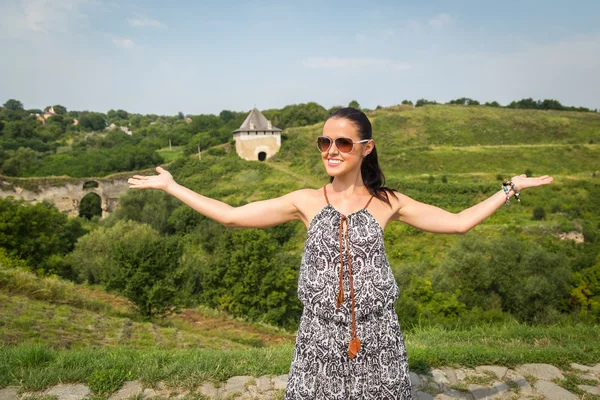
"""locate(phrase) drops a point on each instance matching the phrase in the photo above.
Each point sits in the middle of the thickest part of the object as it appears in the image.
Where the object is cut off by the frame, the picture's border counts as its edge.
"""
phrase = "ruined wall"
(66, 196)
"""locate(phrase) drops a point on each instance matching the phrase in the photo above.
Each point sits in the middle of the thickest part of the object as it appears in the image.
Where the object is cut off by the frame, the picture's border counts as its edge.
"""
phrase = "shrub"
(539, 213)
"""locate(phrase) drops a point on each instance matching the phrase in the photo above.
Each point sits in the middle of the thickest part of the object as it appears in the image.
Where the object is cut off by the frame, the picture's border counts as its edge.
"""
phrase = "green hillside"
(510, 291)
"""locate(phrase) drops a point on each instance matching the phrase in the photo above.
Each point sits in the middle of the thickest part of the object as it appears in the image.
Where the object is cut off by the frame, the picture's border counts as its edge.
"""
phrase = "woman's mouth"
(333, 162)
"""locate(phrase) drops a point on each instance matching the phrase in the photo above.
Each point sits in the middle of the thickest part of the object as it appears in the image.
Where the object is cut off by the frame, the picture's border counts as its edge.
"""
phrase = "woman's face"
(338, 163)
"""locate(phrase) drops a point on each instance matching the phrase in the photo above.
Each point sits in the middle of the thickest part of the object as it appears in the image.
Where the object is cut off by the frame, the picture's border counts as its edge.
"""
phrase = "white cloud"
(141, 22)
(352, 63)
(50, 16)
(124, 43)
(440, 20)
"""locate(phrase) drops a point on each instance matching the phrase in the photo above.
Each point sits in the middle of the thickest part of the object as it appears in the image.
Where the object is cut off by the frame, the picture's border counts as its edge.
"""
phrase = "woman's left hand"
(523, 182)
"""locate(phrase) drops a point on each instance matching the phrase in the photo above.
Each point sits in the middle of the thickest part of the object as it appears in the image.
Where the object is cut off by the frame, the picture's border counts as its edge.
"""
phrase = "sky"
(199, 57)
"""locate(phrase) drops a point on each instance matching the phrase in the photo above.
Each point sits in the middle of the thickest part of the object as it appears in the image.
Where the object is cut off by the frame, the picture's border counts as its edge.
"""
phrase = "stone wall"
(67, 196)
(248, 146)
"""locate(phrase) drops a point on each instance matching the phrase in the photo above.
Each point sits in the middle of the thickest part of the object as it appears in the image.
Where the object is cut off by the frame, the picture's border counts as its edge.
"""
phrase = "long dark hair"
(370, 170)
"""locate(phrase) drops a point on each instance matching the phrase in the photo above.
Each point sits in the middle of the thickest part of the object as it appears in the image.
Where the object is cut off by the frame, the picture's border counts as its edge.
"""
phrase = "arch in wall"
(90, 185)
(262, 156)
(90, 206)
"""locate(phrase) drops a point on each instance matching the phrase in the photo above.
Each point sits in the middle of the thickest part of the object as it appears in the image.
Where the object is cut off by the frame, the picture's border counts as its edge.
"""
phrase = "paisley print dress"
(322, 366)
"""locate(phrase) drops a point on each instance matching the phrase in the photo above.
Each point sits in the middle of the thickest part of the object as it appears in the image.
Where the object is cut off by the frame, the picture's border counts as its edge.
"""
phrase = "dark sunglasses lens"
(344, 145)
(323, 143)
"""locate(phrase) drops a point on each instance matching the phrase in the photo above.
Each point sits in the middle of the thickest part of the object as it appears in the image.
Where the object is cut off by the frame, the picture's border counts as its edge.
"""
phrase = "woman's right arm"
(259, 214)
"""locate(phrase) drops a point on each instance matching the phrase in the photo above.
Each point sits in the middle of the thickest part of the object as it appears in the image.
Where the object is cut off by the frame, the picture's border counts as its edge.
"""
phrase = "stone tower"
(257, 138)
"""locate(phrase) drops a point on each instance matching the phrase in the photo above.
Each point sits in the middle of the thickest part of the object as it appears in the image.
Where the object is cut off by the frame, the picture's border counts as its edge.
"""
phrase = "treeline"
(57, 141)
(524, 104)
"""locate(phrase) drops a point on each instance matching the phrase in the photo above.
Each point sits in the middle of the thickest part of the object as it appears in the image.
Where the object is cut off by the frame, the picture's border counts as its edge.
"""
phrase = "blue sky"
(202, 57)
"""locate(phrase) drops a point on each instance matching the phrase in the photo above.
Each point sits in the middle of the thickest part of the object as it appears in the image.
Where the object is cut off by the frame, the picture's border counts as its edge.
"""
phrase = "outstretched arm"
(260, 214)
(433, 219)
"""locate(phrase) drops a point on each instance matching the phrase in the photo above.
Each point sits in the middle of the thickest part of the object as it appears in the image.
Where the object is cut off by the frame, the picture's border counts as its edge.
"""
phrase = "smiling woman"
(349, 342)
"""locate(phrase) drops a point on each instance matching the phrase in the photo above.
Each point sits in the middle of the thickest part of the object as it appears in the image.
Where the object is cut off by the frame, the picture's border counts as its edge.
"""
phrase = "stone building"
(257, 138)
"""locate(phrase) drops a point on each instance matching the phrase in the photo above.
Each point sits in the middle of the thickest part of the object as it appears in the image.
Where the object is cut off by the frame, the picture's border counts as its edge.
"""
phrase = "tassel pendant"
(340, 299)
(353, 347)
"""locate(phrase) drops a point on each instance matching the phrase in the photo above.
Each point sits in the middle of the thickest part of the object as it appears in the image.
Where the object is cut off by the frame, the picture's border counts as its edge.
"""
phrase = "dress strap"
(369, 202)
(325, 192)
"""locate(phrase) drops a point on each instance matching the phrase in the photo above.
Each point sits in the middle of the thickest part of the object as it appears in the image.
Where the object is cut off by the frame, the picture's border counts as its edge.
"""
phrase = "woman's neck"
(349, 186)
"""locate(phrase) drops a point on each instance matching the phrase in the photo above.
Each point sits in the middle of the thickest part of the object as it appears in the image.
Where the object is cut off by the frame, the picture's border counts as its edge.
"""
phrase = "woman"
(349, 343)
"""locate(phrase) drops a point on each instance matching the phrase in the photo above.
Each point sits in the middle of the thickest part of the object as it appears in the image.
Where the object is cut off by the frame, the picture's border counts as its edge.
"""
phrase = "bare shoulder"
(308, 202)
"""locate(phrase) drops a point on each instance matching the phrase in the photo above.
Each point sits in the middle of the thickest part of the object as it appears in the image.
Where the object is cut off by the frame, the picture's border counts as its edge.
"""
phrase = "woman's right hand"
(162, 181)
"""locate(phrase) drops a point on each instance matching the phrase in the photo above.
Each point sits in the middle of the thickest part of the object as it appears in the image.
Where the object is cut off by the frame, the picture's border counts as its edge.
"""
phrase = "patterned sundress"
(324, 366)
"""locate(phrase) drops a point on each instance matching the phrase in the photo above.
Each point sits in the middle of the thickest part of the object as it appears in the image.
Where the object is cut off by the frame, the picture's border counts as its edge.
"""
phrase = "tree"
(145, 271)
(492, 104)
(407, 102)
(137, 262)
(354, 104)
(464, 101)
(58, 109)
(36, 232)
(226, 115)
(424, 102)
(13, 105)
(19, 161)
(92, 121)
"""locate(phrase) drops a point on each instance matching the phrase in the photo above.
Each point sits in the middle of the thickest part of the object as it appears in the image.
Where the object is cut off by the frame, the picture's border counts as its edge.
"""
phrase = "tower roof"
(256, 121)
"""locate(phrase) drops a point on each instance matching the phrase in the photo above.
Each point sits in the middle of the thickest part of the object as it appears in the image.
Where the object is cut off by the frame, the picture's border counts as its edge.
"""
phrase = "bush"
(539, 213)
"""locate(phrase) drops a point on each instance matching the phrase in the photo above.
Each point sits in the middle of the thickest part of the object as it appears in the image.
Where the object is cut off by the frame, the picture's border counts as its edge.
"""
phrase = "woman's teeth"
(334, 162)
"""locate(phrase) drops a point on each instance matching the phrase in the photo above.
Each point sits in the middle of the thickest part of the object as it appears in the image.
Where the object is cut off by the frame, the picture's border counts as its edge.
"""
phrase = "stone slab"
(414, 379)
(280, 382)
(552, 391)
(544, 372)
(424, 396)
(263, 383)
(9, 393)
(498, 371)
(439, 377)
(237, 383)
(209, 390)
(129, 389)
(69, 392)
(590, 389)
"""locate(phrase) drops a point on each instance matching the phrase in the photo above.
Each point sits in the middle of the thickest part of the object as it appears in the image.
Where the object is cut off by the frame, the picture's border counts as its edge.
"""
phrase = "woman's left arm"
(433, 219)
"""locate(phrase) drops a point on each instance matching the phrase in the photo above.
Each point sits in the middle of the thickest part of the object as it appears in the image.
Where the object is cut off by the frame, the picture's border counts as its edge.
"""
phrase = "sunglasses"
(343, 144)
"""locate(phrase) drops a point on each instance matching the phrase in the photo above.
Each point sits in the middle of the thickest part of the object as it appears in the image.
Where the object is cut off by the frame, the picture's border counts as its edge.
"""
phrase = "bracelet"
(507, 186)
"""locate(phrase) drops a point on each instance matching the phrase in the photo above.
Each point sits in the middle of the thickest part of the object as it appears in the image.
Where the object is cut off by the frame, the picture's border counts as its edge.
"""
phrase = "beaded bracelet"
(507, 185)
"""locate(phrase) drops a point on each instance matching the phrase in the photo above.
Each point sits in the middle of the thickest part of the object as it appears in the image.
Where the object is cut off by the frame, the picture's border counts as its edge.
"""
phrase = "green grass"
(171, 154)
(51, 311)
(36, 366)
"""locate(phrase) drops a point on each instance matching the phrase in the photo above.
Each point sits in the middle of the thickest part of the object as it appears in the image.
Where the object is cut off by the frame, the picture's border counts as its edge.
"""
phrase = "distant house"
(257, 138)
(126, 130)
(75, 122)
(40, 118)
(49, 113)
(188, 119)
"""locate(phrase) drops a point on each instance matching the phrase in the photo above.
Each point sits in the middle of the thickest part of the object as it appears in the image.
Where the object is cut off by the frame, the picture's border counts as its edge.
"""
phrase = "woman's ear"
(370, 145)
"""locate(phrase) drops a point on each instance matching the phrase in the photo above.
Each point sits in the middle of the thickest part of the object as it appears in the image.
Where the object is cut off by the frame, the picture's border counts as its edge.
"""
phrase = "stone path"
(527, 381)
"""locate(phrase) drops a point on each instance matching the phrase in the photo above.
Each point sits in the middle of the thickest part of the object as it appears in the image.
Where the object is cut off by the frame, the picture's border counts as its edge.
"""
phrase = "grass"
(60, 339)
(170, 154)
(63, 315)
(38, 365)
